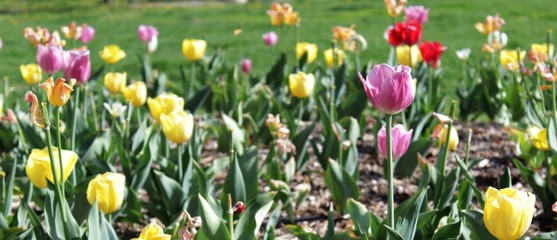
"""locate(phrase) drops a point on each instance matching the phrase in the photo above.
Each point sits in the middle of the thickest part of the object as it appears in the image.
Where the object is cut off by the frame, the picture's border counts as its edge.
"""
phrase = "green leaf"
(406, 165)
(393, 233)
(301, 233)
(252, 218)
(231, 127)
(35, 221)
(505, 179)
(359, 215)
(212, 227)
(545, 236)
(426, 218)
(552, 134)
(450, 231)
(197, 101)
(7, 201)
(93, 223)
(276, 76)
(248, 165)
(171, 193)
(301, 143)
(341, 185)
(408, 213)
(474, 219)
(233, 184)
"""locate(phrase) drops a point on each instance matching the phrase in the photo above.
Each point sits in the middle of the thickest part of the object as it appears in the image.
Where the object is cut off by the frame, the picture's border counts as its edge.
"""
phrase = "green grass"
(450, 22)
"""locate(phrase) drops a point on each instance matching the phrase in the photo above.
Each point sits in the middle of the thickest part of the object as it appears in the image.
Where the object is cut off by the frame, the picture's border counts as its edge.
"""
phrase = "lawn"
(450, 22)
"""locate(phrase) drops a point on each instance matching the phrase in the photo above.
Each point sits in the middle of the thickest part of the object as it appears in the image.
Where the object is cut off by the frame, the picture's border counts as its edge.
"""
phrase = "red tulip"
(431, 52)
(409, 33)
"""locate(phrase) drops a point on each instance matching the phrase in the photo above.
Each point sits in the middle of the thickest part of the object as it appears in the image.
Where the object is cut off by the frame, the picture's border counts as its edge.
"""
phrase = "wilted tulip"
(31, 73)
(337, 54)
(538, 138)
(136, 93)
(153, 232)
(309, 49)
(400, 139)
(301, 84)
(409, 33)
(389, 89)
(164, 104)
(510, 59)
(50, 58)
(270, 38)
(508, 213)
(403, 55)
(108, 190)
(539, 52)
(87, 34)
(193, 49)
(418, 13)
(491, 24)
(38, 167)
(431, 52)
(77, 65)
(112, 54)
(146, 33)
(453, 138)
(35, 112)
(246, 66)
(394, 8)
(58, 93)
(72, 31)
(177, 126)
(34, 38)
(463, 54)
(114, 82)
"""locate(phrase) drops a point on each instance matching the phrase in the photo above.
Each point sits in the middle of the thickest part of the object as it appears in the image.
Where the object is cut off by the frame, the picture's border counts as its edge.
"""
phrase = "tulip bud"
(108, 190)
(246, 66)
(301, 84)
(31, 73)
(418, 13)
(164, 104)
(453, 138)
(193, 49)
(463, 54)
(337, 54)
(239, 207)
(77, 64)
(177, 126)
(403, 55)
(146, 33)
(270, 38)
(508, 213)
(400, 139)
(431, 52)
(58, 93)
(115, 82)
(50, 58)
(538, 138)
(87, 34)
(309, 49)
(153, 232)
(112, 54)
(38, 167)
(136, 93)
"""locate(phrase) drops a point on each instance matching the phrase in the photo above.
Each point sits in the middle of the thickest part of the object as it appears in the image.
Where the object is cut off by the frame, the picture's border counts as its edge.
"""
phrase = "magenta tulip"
(77, 65)
(418, 13)
(400, 139)
(389, 89)
(87, 34)
(270, 38)
(146, 33)
(246, 66)
(50, 58)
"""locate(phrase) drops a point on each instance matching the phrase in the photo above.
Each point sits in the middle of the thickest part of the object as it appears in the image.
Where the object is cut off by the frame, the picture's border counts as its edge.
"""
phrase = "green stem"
(443, 158)
(74, 117)
(180, 164)
(389, 168)
(128, 124)
(430, 85)
(230, 217)
(357, 60)
(59, 139)
(466, 157)
(22, 138)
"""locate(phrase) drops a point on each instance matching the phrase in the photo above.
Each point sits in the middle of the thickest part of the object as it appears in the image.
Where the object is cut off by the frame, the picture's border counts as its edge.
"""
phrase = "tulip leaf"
(448, 232)
(426, 218)
(213, 227)
(552, 134)
(301, 232)
(231, 127)
(351, 154)
(171, 193)
(248, 164)
(35, 221)
(406, 165)
(545, 236)
(53, 220)
(93, 223)
(341, 185)
(276, 76)
(252, 218)
(195, 102)
(233, 184)
(475, 221)
(7, 199)
(408, 213)
(301, 143)
(359, 215)
(505, 179)
(394, 234)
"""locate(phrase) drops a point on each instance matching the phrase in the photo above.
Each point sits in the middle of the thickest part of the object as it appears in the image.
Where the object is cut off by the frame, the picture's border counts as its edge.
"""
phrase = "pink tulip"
(77, 65)
(270, 38)
(418, 13)
(87, 34)
(400, 139)
(389, 89)
(1, 43)
(146, 32)
(50, 58)
(246, 66)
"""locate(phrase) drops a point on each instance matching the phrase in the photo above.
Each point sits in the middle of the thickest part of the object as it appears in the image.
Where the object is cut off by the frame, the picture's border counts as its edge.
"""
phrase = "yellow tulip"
(57, 93)
(538, 138)
(453, 138)
(164, 104)
(193, 49)
(115, 82)
(31, 73)
(38, 167)
(152, 232)
(540, 51)
(112, 54)
(508, 213)
(108, 190)
(338, 54)
(177, 126)
(136, 93)
(306, 48)
(403, 55)
(510, 60)
(301, 84)
(291, 18)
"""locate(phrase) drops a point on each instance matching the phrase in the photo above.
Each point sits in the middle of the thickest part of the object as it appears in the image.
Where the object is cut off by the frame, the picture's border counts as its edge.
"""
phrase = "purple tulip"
(418, 13)
(270, 38)
(49, 58)
(389, 89)
(246, 66)
(400, 139)
(87, 34)
(146, 32)
(77, 65)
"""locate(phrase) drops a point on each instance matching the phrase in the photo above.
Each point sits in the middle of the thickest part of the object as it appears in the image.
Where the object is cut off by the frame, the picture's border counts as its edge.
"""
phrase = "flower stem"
(230, 217)
(74, 117)
(389, 167)
(180, 164)
(59, 139)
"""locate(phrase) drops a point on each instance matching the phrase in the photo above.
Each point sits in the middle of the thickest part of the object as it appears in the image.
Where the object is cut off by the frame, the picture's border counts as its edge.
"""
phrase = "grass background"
(450, 22)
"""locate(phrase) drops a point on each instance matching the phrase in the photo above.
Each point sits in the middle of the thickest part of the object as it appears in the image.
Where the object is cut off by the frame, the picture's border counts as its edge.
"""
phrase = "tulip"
(77, 64)
(116, 109)
(1, 43)
(508, 213)
(58, 93)
(431, 52)
(291, 18)
(337, 54)
(490, 25)
(343, 34)
(510, 59)
(31, 73)
(152, 45)
(39, 168)
(400, 139)
(72, 31)
(87, 34)
(409, 33)
(270, 38)
(115, 82)
(136, 93)
(389, 89)
(108, 190)
(35, 38)
(538, 52)
(35, 112)
(418, 13)
(497, 40)
(177, 126)
(152, 232)
(393, 8)
(50, 58)
(463, 54)
(193, 49)
(453, 138)
(112, 54)
(309, 49)
(146, 33)
(276, 13)
(403, 55)
(164, 104)
(301, 84)
(538, 138)
(246, 66)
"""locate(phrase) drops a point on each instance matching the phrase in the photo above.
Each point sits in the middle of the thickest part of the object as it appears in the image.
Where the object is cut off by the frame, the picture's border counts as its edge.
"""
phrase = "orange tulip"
(58, 93)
